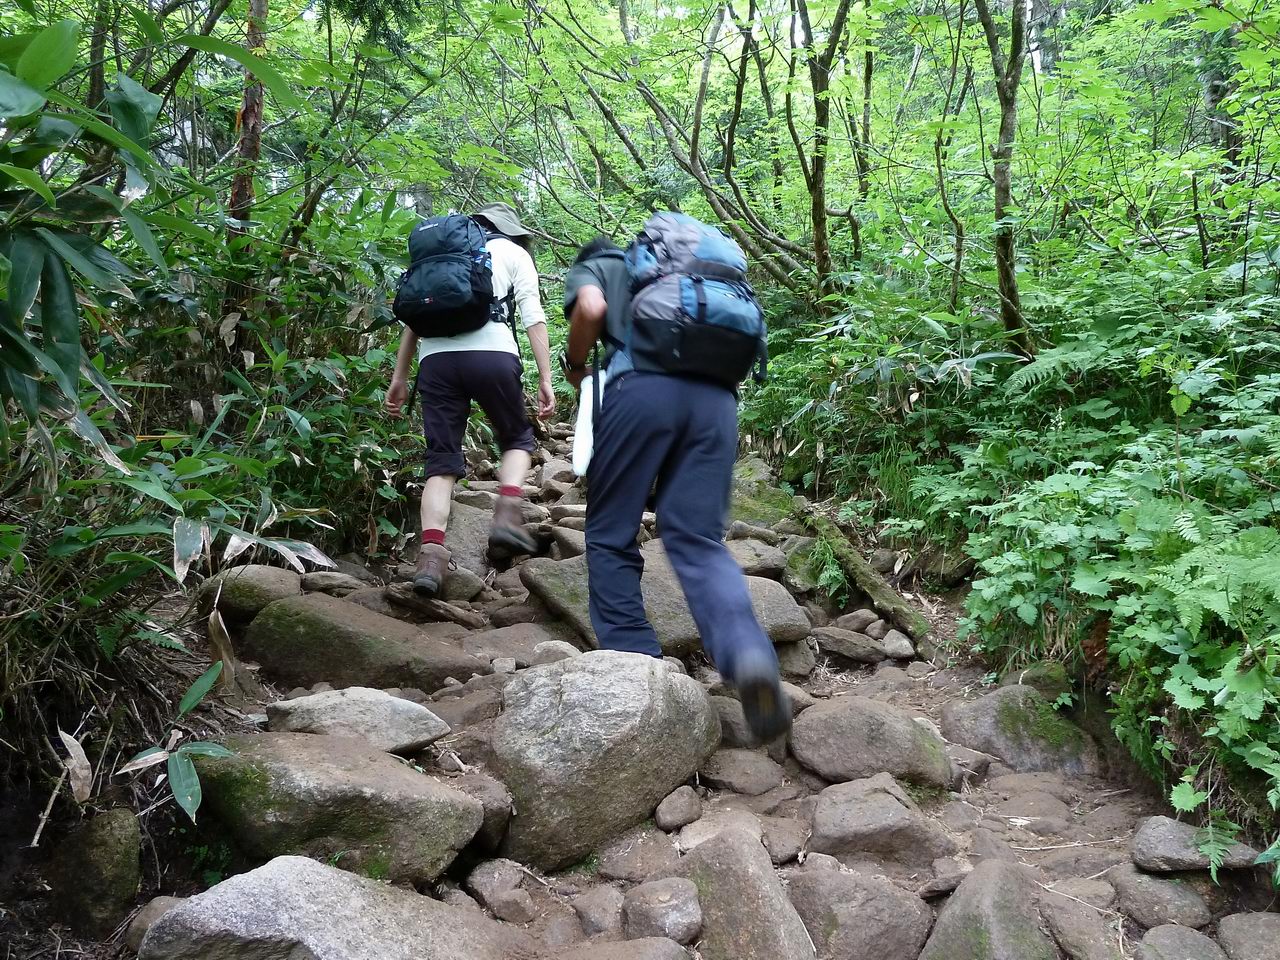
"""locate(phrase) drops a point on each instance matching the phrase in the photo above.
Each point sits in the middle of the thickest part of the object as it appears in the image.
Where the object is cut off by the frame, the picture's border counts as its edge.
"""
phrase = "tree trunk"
(1008, 75)
(240, 202)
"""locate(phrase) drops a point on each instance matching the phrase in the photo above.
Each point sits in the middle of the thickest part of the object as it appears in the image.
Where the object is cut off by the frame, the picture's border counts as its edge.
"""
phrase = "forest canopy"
(1020, 262)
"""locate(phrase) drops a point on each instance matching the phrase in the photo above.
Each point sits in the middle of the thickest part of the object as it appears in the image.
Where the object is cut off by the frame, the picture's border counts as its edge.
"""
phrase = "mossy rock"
(241, 593)
(339, 801)
(1022, 728)
(1049, 677)
(991, 916)
(755, 498)
(95, 873)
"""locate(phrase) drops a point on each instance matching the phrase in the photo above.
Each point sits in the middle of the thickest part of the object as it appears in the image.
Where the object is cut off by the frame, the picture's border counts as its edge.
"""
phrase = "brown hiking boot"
(507, 536)
(433, 567)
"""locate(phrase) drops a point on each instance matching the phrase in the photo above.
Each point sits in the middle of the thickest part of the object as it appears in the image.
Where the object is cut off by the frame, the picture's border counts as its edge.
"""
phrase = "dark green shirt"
(608, 271)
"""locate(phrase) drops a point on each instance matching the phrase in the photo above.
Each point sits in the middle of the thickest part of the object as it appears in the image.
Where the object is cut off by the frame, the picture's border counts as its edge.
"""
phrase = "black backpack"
(448, 288)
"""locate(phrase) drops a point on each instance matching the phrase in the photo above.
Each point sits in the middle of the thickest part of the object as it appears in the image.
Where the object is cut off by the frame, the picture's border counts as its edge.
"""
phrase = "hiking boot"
(433, 567)
(507, 536)
(766, 708)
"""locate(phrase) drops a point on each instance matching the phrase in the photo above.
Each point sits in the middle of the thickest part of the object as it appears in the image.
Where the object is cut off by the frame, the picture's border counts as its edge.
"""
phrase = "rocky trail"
(466, 779)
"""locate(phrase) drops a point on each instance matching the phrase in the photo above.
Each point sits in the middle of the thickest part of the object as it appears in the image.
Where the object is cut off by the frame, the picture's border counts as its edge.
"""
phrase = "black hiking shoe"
(766, 708)
(507, 536)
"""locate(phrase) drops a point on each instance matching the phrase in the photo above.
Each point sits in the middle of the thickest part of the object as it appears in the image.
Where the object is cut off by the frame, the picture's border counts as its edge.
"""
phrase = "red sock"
(506, 491)
(433, 536)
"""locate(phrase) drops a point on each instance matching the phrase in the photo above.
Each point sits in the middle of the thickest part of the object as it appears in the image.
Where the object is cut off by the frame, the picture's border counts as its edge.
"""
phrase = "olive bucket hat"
(504, 219)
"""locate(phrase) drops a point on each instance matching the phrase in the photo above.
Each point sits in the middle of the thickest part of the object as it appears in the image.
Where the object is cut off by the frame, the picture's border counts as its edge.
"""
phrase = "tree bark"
(1008, 75)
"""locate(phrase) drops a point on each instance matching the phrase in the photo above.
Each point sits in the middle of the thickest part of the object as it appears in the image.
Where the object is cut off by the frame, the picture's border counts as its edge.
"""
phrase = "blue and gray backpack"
(448, 288)
(692, 311)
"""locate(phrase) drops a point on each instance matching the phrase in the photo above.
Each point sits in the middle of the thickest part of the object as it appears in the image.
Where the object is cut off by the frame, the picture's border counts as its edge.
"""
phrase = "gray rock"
(845, 646)
(755, 558)
(1081, 931)
(495, 800)
(848, 738)
(738, 530)
(1172, 942)
(600, 912)
(1153, 901)
(468, 537)
(1163, 845)
(742, 771)
(562, 586)
(1020, 727)
(1250, 936)
(680, 807)
(514, 906)
(461, 584)
(734, 731)
(898, 645)
(663, 908)
(877, 630)
(310, 638)
(852, 916)
(572, 543)
(331, 582)
(589, 746)
(732, 871)
(386, 722)
(146, 918)
(638, 855)
(518, 642)
(241, 592)
(796, 660)
(549, 651)
(875, 819)
(651, 948)
(713, 823)
(991, 916)
(858, 621)
(332, 798)
(560, 471)
(784, 838)
(295, 907)
(96, 871)
(489, 880)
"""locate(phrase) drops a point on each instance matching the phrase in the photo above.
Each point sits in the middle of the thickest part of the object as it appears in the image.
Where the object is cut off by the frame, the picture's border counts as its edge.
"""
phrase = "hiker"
(467, 278)
(669, 415)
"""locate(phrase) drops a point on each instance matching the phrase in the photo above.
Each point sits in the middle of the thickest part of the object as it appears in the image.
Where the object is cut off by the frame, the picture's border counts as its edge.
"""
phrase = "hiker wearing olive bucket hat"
(468, 278)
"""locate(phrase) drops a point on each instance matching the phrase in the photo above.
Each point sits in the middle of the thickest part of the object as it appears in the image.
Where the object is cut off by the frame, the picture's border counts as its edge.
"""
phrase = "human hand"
(575, 377)
(397, 395)
(546, 399)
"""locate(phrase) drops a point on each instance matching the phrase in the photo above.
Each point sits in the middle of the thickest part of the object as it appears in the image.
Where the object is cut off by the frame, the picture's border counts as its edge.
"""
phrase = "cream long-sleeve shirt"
(513, 273)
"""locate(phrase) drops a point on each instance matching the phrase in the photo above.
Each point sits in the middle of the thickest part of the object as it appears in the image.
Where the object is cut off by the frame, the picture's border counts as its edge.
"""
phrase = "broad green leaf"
(26, 253)
(50, 54)
(167, 221)
(6, 270)
(150, 486)
(60, 319)
(300, 423)
(17, 99)
(146, 239)
(257, 65)
(185, 783)
(107, 133)
(147, 24)
(188, 542)
(1185, 797)
(134, 108)
(198, 690)
(201, 749)
(29, 179)
(82, 264)
(22, 354)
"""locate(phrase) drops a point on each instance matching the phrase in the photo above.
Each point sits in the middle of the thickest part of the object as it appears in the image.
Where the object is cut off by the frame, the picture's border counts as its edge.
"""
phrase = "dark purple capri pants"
(448, 382)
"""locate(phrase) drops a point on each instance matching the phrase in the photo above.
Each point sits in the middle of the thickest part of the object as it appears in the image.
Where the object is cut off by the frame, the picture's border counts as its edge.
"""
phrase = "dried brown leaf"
(79, 770)
(220, 641)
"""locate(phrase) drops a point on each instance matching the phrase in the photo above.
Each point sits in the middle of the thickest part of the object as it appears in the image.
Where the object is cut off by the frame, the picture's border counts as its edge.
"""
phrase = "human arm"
(524, 289)
(398, 391)
(586, 325)
(541, 347)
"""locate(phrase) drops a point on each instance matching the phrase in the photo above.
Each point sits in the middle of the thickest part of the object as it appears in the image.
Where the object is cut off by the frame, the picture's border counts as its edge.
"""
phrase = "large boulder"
(589, 746)
(1250, 936)
(1154, 901)
(852, 916)
(755, 498)
(468, 537)
(1163, 845)
(340, 800)
(849, 738)
(241, 592)
(359, 713)
(648, 948)
(1172, 942)
(562, 586)
(755, 558)
(875, 819)
(745, 910)
(991, 916)
(96, 871)
(295, 908)
(1020, 726)
(307, 639)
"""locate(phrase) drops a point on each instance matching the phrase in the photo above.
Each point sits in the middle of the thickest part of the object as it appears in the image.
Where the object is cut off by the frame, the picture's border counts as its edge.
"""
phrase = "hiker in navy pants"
(681, 432)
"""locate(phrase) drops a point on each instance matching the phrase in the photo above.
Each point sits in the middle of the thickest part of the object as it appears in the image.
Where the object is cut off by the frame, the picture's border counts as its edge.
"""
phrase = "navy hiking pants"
(684, 434)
